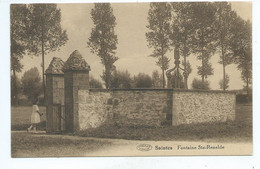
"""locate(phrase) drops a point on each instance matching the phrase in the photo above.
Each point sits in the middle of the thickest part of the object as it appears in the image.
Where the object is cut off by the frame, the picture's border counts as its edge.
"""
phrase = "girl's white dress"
(35, 117)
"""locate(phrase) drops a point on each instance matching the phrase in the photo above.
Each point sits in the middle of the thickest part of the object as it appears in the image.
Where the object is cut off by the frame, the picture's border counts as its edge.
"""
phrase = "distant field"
(21, 117)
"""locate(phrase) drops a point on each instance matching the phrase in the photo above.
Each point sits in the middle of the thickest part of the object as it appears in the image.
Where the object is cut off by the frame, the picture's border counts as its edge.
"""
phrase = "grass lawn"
(31, 145)
(21, 118)
(239, 130)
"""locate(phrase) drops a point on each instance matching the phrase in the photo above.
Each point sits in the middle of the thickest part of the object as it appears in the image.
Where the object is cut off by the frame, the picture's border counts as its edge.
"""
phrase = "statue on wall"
(174, 76)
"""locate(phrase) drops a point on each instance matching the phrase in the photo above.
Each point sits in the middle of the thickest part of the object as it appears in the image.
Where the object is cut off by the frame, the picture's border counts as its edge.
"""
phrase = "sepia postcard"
(131, 79)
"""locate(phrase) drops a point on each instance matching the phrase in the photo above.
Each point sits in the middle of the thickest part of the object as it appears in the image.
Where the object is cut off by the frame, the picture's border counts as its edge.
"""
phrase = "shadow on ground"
(41, 126)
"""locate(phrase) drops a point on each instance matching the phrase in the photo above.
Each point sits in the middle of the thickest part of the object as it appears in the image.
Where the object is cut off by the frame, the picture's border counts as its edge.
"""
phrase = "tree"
(224, 84)
(156, 79)
(159, 17)
(205, 70)
(182, 32)
(45, 31)
(241, 45)
(121, 79)
(177, 75)
(187, 67)
(31, 82)
(16, 89)
(142, 81)
(19, 21)
(204, 39)
(95, 83)
(103, 40)
(199, 84)
(224, 21)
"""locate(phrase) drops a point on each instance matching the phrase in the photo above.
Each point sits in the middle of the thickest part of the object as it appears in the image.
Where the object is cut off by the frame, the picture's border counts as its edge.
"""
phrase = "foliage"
(121, 79)
(19, 21)
(203, 41)
(16, 65)
(182, 27)
(226, 84)
(180, 80)
(95, 83)
(243, 98)
(241, 45)
(142, 81)
(199, 84)
(31, 82)
(45, 33)
(188, 67)
(159, 17)
(224, 20)
(103, 40)
(16, 89)
(182, 33)
(205, 70)
(156, 79)
(246, 75)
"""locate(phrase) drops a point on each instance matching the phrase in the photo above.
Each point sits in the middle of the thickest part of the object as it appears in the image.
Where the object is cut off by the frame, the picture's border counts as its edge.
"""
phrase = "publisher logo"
(144, 147)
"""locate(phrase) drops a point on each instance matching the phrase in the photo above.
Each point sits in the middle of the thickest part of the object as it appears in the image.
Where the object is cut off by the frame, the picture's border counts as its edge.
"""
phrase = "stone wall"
(94, 108)
(140, 107)
(153, 107)
(134, 107)
(202, 106)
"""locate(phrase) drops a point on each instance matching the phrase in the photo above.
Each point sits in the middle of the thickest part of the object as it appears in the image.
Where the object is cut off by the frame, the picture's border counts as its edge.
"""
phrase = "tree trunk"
(163, 69)
(107, 75)
(224, 78)
(224, 70)
(15, 89)
(107, 78)
(185, 69)
(247, 87)
(185, 61)
(43, 77)
(202, 68)
(223, 60)
(163, 78)
(202, 57)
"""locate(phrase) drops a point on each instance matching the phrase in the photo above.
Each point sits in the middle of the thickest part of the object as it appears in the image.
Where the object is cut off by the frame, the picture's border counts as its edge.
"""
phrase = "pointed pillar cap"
(55, 66)
(76, 62)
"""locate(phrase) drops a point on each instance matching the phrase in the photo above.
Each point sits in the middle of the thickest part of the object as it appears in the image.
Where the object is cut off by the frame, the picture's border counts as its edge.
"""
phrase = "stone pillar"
(54, 95)
(76, 77)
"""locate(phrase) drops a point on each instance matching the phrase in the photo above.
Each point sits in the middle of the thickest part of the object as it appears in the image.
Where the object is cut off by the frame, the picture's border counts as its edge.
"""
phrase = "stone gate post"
(54, 95)
(76, 77)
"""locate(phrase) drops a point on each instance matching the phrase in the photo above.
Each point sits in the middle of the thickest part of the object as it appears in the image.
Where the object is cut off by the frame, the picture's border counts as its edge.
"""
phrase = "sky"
(132, 49)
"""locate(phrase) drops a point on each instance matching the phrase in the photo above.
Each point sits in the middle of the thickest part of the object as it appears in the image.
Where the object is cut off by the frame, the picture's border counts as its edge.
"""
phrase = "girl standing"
(35, 117)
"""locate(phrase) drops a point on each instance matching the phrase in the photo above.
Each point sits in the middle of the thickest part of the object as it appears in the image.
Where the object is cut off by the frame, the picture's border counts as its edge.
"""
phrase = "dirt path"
(120, 147)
